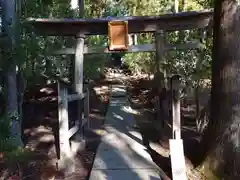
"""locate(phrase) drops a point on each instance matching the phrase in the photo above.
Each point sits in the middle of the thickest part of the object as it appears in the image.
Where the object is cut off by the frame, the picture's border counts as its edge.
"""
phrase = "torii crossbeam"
(136, 24)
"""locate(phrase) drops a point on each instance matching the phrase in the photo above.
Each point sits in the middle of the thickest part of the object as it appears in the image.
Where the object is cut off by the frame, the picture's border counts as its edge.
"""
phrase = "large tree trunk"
(222, 135)
(11, 10)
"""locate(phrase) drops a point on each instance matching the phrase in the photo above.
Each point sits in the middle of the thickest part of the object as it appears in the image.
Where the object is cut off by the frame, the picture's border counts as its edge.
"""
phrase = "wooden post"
(131, 49)
(79, 64)
(159, 37)
(160, 76)
(176, 114)
(86, 107)
(78, 7)
(66, 162)
(201, 52)
(81, 8)
(160, 49)
(176, 144)
(78, 74)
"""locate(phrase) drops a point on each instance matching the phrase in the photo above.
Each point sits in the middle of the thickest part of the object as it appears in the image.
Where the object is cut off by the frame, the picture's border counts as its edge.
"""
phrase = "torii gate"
(118, 29)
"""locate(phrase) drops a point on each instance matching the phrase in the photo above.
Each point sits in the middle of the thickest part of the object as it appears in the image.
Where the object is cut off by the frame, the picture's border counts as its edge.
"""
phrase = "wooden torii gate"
(80, 28)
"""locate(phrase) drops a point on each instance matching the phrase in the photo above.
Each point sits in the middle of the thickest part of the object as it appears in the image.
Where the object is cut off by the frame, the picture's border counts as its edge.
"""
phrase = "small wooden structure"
(66, 152)
(176, 143)
(79, 28)
(68, 129)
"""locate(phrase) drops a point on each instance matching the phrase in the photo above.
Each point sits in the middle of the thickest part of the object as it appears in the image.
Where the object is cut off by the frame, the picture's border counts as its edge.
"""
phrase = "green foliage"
(34, 50)
(94, 66)
(189, 64)
(140, 62)
(10, 152)
(17, 155)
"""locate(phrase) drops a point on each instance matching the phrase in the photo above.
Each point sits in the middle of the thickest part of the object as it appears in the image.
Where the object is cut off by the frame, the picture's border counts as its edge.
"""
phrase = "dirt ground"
(40, 125)
(142, 97)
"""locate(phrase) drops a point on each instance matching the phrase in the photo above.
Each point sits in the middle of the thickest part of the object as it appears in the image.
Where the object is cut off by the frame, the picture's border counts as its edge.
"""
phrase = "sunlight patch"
(99, 131)
(136, 134)
(117, 116)
(128, 109)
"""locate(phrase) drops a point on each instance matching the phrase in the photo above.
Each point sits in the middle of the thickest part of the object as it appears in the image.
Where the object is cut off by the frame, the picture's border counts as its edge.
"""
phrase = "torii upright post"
(159, 76)
(161, 84)
(160, 51)
(78, 63)
(78, 72)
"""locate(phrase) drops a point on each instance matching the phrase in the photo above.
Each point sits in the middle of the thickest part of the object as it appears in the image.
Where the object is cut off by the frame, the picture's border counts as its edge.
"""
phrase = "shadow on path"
(121, 154)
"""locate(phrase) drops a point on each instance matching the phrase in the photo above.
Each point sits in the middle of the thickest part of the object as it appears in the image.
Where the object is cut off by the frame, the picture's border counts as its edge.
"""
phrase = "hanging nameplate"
(118, 35)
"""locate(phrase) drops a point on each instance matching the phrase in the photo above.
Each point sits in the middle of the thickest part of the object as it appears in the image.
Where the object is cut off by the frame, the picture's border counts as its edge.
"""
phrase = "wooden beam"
(63, 82)
(73, 131)
(74, 97)
(131, 49)
(96, 50)
(136, 24)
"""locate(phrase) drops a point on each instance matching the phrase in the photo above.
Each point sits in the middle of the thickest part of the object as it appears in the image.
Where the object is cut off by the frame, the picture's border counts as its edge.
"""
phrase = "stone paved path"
(121, 155)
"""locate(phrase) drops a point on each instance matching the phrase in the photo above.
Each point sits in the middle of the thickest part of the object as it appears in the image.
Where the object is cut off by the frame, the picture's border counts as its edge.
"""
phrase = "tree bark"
(10, 28)
(222, 136)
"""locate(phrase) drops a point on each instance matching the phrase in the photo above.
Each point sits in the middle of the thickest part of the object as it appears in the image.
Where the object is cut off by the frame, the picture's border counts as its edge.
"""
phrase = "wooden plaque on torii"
(118, 35)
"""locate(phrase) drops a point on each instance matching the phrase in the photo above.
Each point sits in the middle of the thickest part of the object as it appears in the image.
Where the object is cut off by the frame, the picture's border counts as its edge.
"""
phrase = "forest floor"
(141, 98)
(40, 124)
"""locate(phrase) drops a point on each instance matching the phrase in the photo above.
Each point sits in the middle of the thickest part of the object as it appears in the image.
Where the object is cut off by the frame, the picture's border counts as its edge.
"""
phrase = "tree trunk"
(11, 10)
(176, 6)
(222, 136)
(183, 6)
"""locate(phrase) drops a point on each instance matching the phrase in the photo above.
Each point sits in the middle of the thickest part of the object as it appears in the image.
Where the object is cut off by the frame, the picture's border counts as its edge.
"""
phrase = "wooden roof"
(136, 24)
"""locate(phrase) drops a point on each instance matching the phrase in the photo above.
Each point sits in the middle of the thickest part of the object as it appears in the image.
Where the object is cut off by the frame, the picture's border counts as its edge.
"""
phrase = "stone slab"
(177, 159)
(121, 154)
